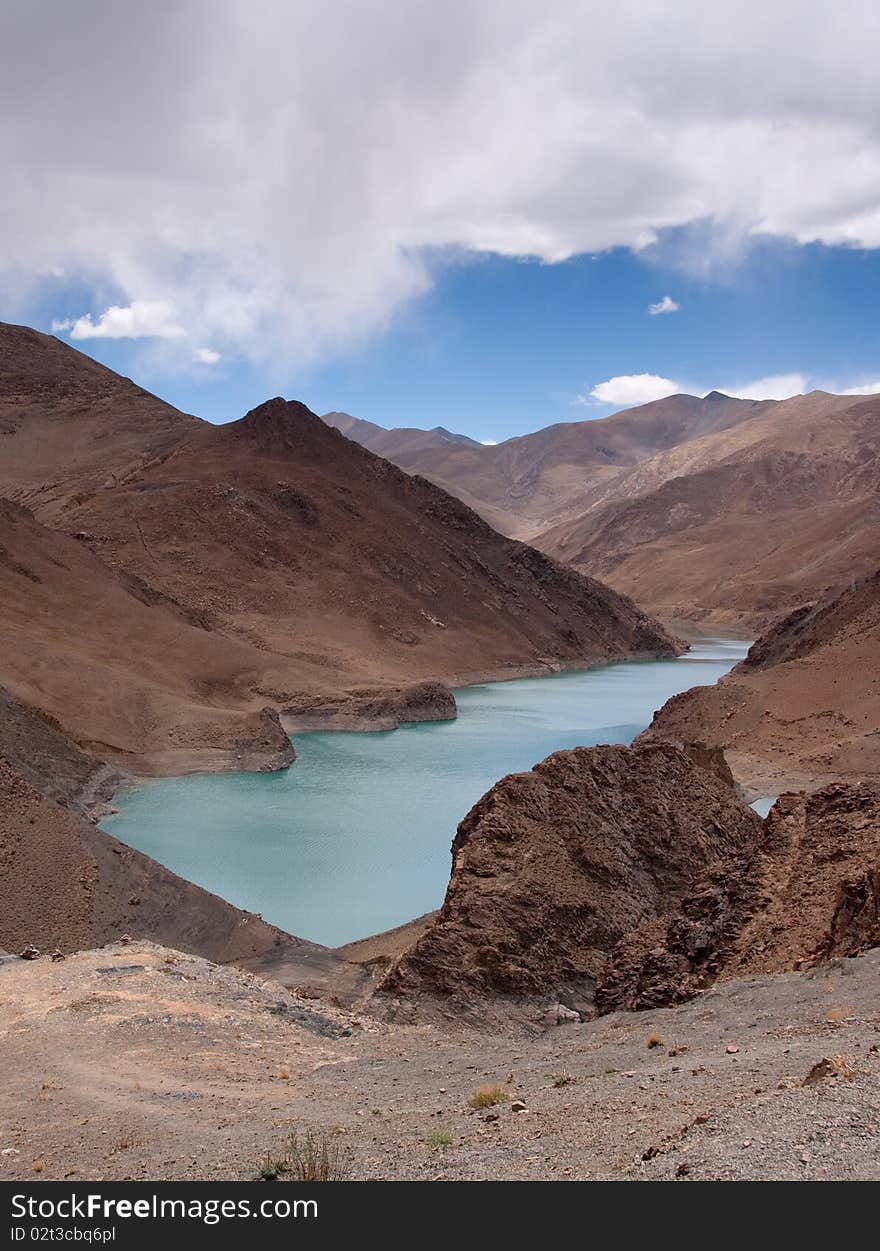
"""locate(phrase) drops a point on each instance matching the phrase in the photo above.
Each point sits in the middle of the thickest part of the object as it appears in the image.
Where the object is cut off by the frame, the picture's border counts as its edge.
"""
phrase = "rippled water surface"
(354, 838)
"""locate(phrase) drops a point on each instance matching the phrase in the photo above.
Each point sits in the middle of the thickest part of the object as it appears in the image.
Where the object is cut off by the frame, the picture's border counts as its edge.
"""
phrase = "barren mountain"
(803, 708)
(553, 866)
(70, 427)
(743, 525)
(200, 574)
(526, 484)
(396, 442)
(806, 892)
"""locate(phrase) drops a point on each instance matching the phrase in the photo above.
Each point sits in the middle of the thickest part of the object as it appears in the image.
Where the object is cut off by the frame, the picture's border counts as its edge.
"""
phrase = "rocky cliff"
(806, 890)
(553, 866)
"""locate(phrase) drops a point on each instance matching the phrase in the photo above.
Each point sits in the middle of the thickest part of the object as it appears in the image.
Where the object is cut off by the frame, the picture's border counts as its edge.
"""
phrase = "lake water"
(355, 837)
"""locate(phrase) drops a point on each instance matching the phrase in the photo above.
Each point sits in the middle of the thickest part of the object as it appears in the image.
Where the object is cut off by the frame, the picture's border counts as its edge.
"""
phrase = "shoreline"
(334, 719)
(191, 761)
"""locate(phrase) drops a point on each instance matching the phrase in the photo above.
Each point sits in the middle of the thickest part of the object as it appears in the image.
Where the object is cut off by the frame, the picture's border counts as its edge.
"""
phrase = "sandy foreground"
(135, 1062)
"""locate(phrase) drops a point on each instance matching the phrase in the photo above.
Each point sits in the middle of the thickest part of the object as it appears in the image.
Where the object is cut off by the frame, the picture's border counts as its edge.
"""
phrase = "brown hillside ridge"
(268, 563)
(803, 708)
(528, 483)
(807, 891)
(744, 525)
(552, 867)
(70, 427)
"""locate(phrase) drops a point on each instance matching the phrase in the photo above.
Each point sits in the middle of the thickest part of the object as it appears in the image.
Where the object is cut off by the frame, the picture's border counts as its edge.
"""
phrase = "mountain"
(71, 427)
(400, 441)
(196, 575)
(526, 484)
(743, 525)
(803, 708)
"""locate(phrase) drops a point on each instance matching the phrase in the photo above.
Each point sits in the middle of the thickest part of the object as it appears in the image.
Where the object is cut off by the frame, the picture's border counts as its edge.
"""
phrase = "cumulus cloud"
(489, 442)
(627, 389)
(142, 319)
(288, 183)
(666, 305)
(775, 387)
(867, 388)
(206, 356)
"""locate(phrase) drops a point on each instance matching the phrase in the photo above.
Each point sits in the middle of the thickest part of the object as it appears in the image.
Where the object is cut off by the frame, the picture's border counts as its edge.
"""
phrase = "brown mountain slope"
(128, 676)
(526, 484)
(807, 891)
(764, 516)
(551, 867)
(278, 531)
(69, 426)
(803, 708)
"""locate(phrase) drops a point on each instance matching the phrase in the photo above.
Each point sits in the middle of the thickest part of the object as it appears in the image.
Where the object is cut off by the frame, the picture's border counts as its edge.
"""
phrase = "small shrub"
(439, 1138)
(487, 1096)
(314, 1156)
(653, 1040)
(317, 1156)
(563, 1079)
(272, 1170)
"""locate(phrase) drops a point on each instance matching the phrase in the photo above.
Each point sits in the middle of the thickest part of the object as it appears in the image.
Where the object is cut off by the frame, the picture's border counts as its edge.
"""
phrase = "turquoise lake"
(355, 836)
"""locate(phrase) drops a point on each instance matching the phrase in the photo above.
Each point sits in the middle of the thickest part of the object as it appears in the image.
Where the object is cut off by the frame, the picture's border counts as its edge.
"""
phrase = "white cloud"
(489, 442)
(867, 388)
(666, 305)
(206, 356)
(142, 319)
(627, 389)
(775, 387)
(287, 211)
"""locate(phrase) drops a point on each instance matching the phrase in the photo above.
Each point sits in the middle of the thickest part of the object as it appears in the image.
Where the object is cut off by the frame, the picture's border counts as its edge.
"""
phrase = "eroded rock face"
(372, 708)
(551, 867)
(807, 890)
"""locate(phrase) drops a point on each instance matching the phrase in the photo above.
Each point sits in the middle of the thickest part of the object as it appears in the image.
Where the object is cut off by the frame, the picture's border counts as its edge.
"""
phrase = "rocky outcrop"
(808, 889)
(372, 709)
(553, 866)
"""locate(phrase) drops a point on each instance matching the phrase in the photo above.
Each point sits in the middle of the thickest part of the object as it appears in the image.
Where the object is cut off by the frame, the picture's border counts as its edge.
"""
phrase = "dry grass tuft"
(487, 1096)
(653, 1040)
(314, 1156)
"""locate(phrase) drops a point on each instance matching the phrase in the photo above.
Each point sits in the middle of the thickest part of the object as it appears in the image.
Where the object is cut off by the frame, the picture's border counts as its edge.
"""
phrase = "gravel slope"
(206, 1070)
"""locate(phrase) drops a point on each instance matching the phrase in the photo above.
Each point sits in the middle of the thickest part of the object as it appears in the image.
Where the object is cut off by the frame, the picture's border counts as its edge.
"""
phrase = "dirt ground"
(137, 1062)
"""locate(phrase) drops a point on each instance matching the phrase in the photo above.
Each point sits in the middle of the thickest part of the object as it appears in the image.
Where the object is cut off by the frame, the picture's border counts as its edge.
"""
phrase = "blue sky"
(499, 347)
(454, 213)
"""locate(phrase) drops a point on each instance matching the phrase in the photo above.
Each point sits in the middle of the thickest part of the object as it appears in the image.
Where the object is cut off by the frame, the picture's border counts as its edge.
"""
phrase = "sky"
(490, 216)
